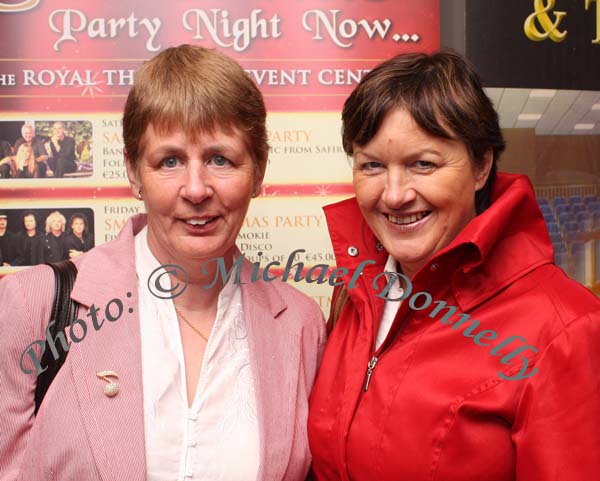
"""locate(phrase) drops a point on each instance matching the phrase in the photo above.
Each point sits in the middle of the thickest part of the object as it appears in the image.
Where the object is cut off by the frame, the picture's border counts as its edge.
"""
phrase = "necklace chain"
(180, 314)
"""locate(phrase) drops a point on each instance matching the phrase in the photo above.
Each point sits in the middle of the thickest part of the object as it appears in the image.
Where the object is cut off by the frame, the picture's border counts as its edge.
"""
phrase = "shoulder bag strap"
(339, 301)
(64, 313)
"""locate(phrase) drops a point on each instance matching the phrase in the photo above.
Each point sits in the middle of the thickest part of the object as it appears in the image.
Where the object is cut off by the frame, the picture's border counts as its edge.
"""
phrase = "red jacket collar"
(504, 243)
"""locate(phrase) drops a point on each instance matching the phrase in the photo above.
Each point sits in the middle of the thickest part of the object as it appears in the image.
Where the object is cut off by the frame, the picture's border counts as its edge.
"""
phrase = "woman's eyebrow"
(366, 154)
(167, 149)
(220, 147)
(407, 155)
(230, 150)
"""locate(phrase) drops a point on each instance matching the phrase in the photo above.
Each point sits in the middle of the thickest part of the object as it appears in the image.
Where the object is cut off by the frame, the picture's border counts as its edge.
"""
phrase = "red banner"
(70, 55)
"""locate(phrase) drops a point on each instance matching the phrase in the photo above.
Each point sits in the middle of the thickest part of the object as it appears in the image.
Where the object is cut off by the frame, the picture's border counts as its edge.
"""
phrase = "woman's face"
(416, 191)
(196, 194)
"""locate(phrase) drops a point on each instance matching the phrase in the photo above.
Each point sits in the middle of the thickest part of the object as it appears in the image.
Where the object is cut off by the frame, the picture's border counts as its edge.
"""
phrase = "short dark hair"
(27, 213)
(444, 95)
(196, 89)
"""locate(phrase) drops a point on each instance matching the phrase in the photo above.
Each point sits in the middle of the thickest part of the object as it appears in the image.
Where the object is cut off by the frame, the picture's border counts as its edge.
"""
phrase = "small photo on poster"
(45, 149)
(38, 236)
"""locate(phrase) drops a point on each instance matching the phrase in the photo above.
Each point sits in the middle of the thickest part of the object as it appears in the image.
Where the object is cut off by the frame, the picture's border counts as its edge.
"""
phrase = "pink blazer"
(82, 434)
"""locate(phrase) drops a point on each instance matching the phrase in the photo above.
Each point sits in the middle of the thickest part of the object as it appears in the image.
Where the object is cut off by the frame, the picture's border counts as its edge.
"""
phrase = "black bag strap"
(64, 313)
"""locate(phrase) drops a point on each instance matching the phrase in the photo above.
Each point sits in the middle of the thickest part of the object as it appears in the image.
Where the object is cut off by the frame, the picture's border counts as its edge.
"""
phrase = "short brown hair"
(195, 89)
(444, 95)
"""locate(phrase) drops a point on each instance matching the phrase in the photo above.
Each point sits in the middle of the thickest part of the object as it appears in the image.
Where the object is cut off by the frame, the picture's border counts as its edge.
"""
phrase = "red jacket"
(437, 406)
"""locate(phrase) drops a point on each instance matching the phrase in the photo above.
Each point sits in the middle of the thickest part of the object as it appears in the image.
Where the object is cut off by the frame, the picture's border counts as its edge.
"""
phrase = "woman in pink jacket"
(462, 353)
(160, 383)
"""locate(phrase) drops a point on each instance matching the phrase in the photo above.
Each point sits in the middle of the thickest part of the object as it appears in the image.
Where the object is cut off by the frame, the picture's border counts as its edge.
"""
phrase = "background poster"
(79, 61)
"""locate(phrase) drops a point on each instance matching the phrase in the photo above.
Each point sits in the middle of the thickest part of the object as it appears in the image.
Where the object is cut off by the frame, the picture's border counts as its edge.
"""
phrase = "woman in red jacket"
(462, 352)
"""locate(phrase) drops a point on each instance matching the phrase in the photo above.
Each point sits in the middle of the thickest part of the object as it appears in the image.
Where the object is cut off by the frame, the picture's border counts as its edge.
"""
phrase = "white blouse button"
(352, 251)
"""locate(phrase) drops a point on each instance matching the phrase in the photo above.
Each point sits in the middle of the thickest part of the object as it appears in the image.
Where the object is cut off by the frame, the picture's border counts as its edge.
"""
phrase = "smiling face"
(27, 133)
(416, 191)
(196, 194)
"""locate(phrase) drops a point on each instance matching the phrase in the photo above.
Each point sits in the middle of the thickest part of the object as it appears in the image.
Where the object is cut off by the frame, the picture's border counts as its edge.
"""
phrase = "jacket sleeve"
(557, 430)
(67, 151)
(19, 327)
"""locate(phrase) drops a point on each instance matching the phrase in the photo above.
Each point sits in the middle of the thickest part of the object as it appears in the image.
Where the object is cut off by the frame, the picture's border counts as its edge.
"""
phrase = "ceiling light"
(584, 126)
(529, 117)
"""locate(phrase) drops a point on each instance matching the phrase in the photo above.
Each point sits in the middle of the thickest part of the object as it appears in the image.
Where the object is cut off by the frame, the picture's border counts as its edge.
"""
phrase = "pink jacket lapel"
(115, 425)
(274, 358)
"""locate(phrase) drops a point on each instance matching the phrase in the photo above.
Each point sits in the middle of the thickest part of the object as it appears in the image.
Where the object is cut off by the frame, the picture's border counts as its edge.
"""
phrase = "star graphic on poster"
(323, 190)
(92, 88)
(267, 192)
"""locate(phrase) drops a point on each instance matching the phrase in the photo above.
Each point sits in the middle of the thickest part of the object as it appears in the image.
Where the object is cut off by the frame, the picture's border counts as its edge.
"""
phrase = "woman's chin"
(203, 252)
(410, 257)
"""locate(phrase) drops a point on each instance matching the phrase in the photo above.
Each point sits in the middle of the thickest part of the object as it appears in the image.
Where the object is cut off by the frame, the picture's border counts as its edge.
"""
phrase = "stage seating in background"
(572, 222)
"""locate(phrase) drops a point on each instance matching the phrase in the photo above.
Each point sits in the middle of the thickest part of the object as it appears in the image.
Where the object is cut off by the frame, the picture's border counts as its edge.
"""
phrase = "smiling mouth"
(200, 222)
(409, 218)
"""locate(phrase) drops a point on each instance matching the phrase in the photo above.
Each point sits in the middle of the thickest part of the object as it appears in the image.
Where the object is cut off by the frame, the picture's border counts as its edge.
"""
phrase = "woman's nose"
(398, 190)
(197, 183)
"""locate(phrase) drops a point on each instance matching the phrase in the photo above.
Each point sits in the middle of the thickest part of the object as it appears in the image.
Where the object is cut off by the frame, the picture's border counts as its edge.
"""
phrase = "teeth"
(198, 222)
(406, 219)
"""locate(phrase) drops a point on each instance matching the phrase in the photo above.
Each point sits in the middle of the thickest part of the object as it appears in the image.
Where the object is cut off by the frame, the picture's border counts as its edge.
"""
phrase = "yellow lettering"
(549, 29)
(587, 6)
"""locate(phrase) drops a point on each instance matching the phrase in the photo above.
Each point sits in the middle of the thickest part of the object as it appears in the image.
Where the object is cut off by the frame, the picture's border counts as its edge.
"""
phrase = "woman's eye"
(371, 165)
(425, 165)
(170, 162)
(220, 161)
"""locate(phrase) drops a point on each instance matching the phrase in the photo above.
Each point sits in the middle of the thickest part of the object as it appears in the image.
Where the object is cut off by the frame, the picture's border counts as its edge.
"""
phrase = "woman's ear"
(133, 176)
(483, 170)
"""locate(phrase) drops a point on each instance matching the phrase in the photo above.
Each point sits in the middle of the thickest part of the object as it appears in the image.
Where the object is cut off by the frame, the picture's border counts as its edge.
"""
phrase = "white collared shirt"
(217, 438)
(391, 307)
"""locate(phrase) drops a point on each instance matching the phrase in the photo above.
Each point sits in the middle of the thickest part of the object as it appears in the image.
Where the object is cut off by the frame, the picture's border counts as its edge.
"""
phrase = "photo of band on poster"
(45, 149)
(29, 237)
